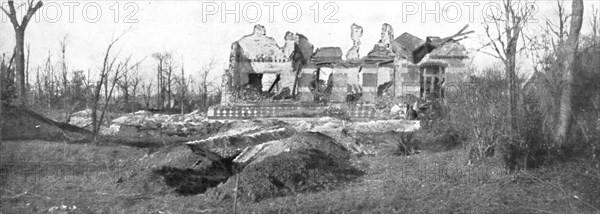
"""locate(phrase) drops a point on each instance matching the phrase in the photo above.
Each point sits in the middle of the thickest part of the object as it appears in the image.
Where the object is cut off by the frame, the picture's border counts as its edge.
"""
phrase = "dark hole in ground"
(192, 181)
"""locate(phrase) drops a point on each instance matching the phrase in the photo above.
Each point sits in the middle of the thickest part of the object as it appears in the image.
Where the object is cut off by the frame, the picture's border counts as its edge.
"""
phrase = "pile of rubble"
(143, 123)
(150, 120)
(146, 123)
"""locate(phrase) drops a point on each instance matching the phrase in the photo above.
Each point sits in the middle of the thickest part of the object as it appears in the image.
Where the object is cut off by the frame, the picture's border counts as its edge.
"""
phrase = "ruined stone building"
(395, 66)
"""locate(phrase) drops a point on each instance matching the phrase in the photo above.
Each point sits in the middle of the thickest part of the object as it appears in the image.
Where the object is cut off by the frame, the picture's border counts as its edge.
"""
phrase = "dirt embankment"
(21, 124)
(300, 171)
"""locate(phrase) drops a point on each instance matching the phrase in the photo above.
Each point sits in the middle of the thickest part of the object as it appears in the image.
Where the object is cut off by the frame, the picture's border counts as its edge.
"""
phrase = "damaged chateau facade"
(297, 72)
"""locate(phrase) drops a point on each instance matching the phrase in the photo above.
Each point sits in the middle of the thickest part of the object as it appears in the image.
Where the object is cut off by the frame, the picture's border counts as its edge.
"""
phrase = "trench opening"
(197, 179)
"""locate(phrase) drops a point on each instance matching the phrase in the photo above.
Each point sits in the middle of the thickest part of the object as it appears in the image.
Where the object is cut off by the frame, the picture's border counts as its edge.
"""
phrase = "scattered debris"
(62, 209)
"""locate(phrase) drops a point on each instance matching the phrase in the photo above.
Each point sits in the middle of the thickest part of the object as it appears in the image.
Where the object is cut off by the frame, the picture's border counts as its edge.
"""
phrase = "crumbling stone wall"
(388, 67)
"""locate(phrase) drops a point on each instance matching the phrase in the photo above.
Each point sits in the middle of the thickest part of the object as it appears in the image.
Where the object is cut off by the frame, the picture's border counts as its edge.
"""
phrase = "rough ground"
(36, 176)
(304, 170)
(310, 172)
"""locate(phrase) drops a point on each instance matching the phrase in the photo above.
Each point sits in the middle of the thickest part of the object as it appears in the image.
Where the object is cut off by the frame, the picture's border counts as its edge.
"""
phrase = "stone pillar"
(287, 79)
(407, 78)
(229, 80)
(352, 77)
(340, 86)
(306, 76)
(369, 83)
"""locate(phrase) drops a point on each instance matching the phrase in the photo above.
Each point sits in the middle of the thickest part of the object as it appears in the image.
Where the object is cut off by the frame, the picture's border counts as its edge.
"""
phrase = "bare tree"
(203, 82)
(504, 32)
(595, 25)
(161, 69)
(183, 89)
(66, 95)
(2, 84)
(135, 83)
(147, 93)
(567, 93)
(165, 77)
(49, 91)
(555, 55)
(169, 84)
(27, 68)
(20, 41)
(548, 44)
(547, 53)
(107, 67)
(128, 83)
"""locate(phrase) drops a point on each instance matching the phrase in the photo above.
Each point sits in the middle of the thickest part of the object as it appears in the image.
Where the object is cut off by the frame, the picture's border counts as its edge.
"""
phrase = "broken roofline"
(412, 48)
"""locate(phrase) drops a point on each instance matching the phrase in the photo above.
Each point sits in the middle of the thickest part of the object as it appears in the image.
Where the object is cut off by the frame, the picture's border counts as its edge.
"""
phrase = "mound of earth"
(304, 140)
(298, 171)
(20, 124)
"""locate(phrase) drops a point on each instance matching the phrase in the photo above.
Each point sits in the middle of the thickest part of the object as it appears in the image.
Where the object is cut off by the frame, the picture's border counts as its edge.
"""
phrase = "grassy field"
(38, 176)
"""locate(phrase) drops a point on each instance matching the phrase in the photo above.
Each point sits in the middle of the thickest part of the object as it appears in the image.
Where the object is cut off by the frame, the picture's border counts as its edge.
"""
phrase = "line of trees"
(119, 82)
(54, 85)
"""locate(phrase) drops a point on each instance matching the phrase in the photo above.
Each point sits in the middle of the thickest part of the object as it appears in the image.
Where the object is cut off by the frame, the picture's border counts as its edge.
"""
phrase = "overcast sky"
(197, 31)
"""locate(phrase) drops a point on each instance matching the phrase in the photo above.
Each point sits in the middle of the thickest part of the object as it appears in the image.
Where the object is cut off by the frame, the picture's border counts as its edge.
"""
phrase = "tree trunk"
(567, 93)
(169, 88)
(158, 84)
(512, 93)
(20, 67)
(2, 82)
(27, 88)
(511, 62)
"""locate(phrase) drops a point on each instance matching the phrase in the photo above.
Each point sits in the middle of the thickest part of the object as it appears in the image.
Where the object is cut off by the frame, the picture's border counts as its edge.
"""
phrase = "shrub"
(477, 111)
(406, 144)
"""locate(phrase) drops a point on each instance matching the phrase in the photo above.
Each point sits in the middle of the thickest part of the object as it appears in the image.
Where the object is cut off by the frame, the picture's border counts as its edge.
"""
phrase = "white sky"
(178, 27)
